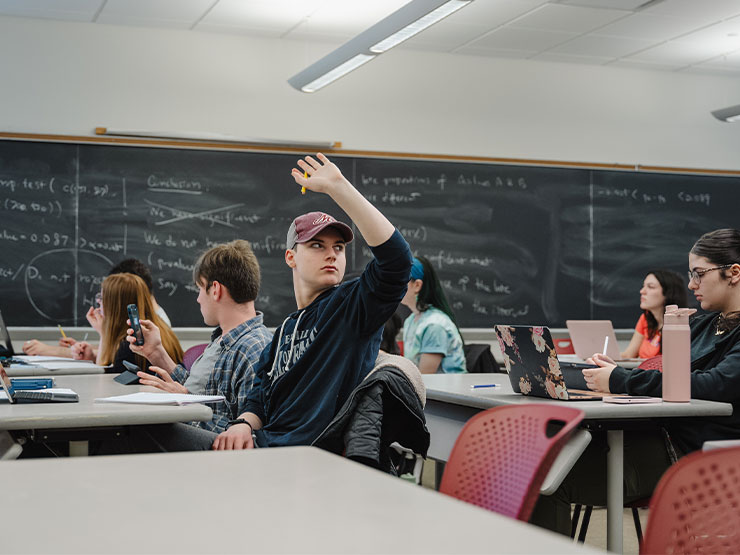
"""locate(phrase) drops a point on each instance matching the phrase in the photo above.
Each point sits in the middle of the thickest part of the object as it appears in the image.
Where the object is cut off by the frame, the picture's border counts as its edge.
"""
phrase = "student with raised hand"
(431, 338)
(321, 352)
(228, 280)
(659, 289)
(109, 320)
(714, 272)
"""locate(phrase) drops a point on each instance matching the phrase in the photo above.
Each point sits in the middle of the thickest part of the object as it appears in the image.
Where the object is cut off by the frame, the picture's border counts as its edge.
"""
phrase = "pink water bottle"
(676, 341)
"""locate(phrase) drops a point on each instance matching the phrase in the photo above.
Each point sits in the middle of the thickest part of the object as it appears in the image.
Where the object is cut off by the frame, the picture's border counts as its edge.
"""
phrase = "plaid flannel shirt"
(234, 371)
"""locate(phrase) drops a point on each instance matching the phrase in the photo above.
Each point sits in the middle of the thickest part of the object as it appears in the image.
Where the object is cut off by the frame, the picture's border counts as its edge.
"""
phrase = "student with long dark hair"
(431, 338)
(659, 289)
(714, 272)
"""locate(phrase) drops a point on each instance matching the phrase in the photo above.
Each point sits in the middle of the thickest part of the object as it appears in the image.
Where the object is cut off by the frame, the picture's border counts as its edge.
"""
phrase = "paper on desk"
(148, 398)
(4, 396)
(41, 358)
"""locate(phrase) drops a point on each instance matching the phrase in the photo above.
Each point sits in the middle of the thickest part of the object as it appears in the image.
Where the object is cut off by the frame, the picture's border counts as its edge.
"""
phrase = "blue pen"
(481, 385)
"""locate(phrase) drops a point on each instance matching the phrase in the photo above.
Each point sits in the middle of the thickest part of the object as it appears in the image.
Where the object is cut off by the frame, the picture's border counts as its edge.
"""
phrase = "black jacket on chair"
(383, 409)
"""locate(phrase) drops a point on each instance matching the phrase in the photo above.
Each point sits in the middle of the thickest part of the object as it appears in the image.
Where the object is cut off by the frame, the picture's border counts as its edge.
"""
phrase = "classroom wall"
(67, 78)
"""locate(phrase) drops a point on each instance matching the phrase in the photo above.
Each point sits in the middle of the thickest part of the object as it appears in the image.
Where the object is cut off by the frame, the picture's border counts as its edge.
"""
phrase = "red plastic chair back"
(696, 506)
(193, 353)
(652, 363)
(503, 454)
(564, 347)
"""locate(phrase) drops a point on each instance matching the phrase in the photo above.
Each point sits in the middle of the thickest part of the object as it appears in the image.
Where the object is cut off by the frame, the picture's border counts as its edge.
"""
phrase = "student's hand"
(82, 350)
(152, 340)
(600, 360)
(323, 175)
(34, 347)
(67, 341)
(95, 317)
(597, 379)
(239, 436)
(161, 381)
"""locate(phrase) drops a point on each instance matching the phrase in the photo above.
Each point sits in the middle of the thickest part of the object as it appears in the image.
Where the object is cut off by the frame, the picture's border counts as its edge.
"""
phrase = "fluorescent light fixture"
(730, 115)
(215, 138)
(401, 25)
(337, 72)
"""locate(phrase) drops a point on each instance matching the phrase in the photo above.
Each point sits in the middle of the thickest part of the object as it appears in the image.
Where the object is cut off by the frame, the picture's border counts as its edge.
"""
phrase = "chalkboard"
(511, 243)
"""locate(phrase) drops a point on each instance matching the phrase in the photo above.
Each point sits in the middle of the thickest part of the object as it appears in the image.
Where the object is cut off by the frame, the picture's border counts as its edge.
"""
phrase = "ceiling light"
(730, 115)
(401, 25)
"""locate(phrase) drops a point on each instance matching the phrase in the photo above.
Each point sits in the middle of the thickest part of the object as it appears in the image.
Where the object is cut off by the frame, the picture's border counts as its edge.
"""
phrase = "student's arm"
(152, 349)
(325, 177)
(429, 363)
(36, 347)
(634, 347)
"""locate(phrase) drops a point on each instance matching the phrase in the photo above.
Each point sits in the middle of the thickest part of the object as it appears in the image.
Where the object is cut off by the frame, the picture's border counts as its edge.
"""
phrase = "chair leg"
(574, 521)
(584, 523)
(638, 526)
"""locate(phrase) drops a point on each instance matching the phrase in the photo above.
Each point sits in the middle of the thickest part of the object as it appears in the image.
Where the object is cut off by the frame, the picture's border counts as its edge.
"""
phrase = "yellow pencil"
(303, 189)
(62, 331)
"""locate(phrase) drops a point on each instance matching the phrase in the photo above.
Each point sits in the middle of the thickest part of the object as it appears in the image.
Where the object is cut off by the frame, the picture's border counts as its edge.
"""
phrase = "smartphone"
(632, 399)
(133, 316)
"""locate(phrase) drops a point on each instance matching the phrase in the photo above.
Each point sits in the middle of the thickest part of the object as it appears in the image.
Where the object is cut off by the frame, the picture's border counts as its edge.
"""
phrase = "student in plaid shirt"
(228, 280)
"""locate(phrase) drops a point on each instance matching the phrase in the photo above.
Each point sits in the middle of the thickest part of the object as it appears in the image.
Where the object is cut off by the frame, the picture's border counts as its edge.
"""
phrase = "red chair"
(192, 354)
(564, 347)
(652, 363)
(503, 454)
(696, 505)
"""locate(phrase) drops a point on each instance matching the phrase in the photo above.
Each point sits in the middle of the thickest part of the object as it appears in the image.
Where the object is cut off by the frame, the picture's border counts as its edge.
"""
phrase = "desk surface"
(86, 413)
(456, 389)
(287, 500)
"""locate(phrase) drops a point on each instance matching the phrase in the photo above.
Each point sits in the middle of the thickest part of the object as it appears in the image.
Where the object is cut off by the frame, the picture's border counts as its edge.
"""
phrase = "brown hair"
(119, 291)
(234, 266)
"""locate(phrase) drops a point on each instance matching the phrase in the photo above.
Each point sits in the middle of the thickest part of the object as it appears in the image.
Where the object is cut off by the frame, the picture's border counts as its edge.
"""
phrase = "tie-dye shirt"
(435, 333)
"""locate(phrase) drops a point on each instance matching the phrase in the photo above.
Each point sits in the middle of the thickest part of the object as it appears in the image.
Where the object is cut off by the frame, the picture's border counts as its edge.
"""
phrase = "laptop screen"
(6, 347)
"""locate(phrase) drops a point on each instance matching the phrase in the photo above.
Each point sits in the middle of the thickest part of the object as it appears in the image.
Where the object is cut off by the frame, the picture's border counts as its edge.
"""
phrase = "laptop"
(35, 396)
(6, 346)
(534, 368)
(589, 336)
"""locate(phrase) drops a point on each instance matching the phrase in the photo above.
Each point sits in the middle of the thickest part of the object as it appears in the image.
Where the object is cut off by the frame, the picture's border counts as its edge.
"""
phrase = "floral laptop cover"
(533, 366)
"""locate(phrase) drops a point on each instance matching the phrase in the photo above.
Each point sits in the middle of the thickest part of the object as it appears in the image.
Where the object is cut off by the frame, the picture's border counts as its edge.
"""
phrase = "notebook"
(588, 337)
(36, 396)
(533, 366)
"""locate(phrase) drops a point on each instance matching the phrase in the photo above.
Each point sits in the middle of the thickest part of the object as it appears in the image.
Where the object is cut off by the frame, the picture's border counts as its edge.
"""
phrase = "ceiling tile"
(446, 36)
(550, 56)
(153, 13)
(497, 52)
(730, 60)
(675, 53)
(608, 47)
(649, 27)
(264, 16)
(343, 18)
(616, 4)
(569, 19)
(71, 10)
(701, 12)
(494, 13)
(510, 38)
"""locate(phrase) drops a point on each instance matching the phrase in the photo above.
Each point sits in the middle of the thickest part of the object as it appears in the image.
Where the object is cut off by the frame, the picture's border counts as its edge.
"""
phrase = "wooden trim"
(338, 151)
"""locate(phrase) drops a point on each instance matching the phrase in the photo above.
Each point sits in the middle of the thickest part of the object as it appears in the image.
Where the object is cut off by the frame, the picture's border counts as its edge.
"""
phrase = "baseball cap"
(307, 226)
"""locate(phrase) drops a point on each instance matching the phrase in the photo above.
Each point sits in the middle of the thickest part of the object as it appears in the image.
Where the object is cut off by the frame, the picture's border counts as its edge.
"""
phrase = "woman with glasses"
(659, 289)
(714, 272)
(109, 320)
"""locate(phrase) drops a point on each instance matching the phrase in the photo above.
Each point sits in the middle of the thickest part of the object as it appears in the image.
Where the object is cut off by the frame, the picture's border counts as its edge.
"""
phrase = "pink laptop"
(588, 337)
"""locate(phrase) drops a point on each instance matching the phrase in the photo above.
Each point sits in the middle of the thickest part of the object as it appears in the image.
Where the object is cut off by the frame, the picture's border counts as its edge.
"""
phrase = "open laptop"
(35, 396)
(588, 337)
(533, 366)
(6, 345)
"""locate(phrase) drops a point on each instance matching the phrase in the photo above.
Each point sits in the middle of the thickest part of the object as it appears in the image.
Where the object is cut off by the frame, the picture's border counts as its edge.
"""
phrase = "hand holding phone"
(133, 316)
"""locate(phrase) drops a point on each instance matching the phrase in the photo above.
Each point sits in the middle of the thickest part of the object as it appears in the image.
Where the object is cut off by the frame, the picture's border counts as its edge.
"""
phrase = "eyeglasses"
(696, 275)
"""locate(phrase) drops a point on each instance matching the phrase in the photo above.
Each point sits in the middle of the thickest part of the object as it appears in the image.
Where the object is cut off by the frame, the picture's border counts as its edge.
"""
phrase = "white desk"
(87, 414)
(278, 500)
(451, 402)
(18, 370)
